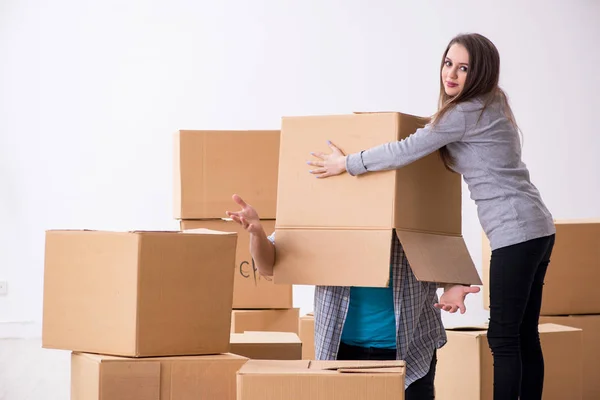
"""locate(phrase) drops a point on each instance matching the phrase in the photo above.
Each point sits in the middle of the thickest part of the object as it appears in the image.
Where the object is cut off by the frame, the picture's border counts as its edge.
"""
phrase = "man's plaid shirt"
(419, 324)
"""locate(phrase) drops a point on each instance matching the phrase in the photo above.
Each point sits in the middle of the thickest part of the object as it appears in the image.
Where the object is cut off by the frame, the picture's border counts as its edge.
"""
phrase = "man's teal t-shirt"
(371, 321)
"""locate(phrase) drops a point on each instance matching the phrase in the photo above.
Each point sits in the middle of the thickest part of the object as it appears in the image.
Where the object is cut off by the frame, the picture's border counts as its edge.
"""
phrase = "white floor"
(28, 372)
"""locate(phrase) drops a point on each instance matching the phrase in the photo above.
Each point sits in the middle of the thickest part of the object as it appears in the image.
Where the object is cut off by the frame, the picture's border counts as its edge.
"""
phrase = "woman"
(476, 135)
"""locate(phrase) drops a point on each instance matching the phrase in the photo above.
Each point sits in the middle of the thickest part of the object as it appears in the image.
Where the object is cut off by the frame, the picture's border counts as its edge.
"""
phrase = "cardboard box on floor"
(465, 365)
(267, 345)
(590, 325)
(321, 380)
(265, 320)
(138, 293)
(573, 273)
(347, 222)
(210, 166)
(250, 289)
(306, 331)
(97, 377)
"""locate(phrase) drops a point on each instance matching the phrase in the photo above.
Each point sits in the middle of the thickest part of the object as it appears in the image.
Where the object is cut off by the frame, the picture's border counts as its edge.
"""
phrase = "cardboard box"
(210, 166)
(306, 331)
(267, 345)
(590, 325)
(573, 273)
(321, 380)
(465, 364)
(250, 289)
(96, 377)
(265, 320)
(347, 222)
(138, 293)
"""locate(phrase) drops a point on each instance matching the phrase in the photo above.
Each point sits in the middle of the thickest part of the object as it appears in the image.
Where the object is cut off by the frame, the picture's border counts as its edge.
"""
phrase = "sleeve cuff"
(355, 165)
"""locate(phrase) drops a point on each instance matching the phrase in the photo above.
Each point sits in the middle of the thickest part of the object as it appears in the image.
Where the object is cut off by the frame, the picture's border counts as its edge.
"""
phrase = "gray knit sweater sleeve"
(393, 155)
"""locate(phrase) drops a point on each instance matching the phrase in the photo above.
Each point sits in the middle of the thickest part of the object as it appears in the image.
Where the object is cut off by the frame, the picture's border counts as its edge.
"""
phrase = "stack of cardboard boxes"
(306, 332)
(465, 364)
(211, 166)
(569, 325)
(569, 297)
(146, 314)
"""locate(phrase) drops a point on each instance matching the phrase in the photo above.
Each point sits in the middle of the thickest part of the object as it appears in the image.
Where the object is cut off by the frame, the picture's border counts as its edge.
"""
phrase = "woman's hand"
(328, 164)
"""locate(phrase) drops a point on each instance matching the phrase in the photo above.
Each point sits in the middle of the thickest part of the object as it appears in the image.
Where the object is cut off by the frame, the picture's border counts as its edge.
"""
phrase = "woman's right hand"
(247, 217)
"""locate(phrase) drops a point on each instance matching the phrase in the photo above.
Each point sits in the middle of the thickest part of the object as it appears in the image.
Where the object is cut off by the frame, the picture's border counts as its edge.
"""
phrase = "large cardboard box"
(210, 166)
(250, 289)
(328, 230)
(590, 325)
(265, 320)
(267, 345)
(306, 331)
(97, 377)
(465, 365)
(321, 380)
(138, 293)
(573, 273)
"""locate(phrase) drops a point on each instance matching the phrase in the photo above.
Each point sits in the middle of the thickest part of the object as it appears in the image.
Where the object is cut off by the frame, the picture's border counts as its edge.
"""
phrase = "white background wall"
(91, 91)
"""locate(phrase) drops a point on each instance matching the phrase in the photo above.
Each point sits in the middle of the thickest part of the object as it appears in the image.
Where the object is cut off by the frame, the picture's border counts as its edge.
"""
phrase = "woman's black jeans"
(516, 280)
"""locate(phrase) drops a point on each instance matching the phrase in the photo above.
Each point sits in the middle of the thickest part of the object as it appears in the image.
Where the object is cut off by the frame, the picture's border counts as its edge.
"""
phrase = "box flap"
(333, 257)
(318, 367)
(274, 366)
(549, 328)
(359, 366)
(439, 258)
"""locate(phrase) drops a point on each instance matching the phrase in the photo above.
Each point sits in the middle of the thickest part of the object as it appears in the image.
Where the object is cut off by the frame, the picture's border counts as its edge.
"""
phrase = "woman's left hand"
(328, 164)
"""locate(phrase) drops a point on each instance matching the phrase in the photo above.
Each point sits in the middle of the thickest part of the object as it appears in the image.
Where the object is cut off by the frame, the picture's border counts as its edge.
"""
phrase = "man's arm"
(263, 252)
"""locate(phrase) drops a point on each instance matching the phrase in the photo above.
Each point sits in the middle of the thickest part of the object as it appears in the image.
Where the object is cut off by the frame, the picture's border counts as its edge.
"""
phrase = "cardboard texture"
(328, 230)
(265, 320)
(97, 377)
(306, 331)
(267, 345)
(321, 380)
(250, 289)
(210, 166)
(138, 293)
(590, 325)
(573, 273)
(465, 365)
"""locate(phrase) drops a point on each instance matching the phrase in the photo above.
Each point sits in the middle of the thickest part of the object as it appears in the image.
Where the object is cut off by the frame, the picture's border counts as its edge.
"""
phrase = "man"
(402, 321)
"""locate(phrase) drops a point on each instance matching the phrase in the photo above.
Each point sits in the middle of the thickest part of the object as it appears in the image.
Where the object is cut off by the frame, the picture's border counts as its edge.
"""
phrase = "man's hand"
(329, 164)
(247, 217)
(453, 298)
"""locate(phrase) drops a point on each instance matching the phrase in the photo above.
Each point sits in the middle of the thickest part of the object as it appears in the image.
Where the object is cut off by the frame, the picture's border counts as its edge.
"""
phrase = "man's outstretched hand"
(453, 298)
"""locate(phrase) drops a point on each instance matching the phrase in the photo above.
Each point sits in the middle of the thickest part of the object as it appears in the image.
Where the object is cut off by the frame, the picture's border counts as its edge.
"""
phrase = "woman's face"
(455, 69)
